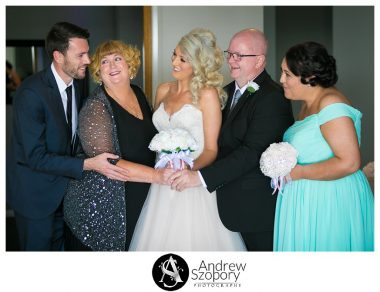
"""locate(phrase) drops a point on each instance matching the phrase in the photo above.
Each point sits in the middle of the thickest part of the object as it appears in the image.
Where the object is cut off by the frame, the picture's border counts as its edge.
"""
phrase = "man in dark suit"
(256, 115)
(44, 139)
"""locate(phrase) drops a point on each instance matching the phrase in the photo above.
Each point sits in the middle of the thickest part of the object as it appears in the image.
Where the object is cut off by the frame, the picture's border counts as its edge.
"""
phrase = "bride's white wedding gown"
(187, 220)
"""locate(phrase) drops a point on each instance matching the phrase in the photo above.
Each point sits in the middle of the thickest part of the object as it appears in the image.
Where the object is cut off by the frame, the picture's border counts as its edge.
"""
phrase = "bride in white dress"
(188, 220)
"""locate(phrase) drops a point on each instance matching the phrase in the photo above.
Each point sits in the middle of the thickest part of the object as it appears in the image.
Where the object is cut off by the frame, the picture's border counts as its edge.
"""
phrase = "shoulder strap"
(337, 110)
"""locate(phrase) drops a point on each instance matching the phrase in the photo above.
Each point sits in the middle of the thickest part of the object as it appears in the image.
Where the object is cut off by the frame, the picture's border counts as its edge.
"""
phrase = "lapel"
(57, 107)
(55, 98)
(230, 89)
(239, 105)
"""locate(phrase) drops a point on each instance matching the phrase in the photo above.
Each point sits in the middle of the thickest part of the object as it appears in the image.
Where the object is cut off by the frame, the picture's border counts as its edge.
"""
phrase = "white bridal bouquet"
(174, 147)
(277, 161)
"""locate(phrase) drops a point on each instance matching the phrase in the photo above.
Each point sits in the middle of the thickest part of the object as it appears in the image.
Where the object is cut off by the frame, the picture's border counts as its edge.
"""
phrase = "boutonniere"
(253, 87)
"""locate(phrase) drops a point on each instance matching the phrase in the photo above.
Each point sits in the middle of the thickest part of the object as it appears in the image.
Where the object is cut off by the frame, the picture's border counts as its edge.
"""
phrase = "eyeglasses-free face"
(182, 68)
(182, 58)
(236, 56)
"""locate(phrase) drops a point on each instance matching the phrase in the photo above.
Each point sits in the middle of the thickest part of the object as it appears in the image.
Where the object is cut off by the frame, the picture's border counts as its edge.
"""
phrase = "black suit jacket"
(244, 195)
(40, 162)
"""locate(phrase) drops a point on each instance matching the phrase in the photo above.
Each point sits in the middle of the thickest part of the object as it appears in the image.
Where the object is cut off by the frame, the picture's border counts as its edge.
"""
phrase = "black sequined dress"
(100, 212)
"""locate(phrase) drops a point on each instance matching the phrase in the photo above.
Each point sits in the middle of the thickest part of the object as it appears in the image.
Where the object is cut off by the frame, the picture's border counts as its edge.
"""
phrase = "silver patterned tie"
(235, 99)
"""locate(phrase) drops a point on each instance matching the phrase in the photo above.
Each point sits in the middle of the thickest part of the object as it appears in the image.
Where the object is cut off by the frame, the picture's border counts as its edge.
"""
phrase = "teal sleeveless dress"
(335, 215)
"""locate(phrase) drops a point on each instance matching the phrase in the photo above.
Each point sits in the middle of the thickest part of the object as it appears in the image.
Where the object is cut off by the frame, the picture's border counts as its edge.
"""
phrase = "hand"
(101, 164)
(184, 179)
(296, 172)
(169, 164)
(162, 175)
(183, 165)
(287, 178)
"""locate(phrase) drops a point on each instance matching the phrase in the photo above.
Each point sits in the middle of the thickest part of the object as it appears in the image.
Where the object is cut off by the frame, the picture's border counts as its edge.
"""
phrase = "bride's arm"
(210, 106)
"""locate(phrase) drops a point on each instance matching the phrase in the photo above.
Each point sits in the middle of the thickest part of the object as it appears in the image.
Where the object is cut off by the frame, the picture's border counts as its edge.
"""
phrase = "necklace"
(134, 110)
(130, 104)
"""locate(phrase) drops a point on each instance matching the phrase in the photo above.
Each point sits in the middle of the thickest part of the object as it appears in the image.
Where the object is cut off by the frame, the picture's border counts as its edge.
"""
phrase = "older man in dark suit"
(44, 139)
(256, 115)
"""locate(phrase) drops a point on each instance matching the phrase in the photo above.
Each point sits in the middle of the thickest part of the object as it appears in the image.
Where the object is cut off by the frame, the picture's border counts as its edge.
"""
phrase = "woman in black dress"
(101, 213)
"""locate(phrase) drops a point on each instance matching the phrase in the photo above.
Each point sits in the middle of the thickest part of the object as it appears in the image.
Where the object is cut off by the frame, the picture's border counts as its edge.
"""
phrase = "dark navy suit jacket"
(40, 161)
(244, 195)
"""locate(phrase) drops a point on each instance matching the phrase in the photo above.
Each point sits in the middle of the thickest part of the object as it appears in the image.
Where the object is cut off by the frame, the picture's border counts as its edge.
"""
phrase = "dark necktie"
(69, 109)
(235, 99)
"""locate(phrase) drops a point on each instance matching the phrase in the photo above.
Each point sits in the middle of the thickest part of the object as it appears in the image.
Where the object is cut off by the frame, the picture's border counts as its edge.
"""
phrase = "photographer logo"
(170, 272)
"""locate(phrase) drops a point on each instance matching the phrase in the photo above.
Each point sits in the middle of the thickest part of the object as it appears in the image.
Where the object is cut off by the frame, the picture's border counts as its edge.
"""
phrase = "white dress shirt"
(62, 90)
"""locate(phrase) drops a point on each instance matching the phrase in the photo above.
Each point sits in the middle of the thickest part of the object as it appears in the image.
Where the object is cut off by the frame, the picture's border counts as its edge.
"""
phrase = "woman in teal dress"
(328, 205)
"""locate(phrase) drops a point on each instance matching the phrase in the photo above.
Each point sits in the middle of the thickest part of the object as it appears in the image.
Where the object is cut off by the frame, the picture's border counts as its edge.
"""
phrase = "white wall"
(170, 23)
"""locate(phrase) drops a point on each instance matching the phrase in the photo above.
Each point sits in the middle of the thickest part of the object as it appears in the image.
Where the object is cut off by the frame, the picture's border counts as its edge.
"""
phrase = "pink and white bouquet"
(277, 161)
(174, 147)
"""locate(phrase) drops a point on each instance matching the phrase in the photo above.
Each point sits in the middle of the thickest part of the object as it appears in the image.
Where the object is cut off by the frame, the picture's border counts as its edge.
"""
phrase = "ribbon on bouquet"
(277, 183)
(175, 158)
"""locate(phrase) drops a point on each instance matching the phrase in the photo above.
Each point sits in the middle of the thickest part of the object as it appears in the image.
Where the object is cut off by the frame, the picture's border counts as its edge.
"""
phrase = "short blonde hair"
(130, 53)
(206, 58)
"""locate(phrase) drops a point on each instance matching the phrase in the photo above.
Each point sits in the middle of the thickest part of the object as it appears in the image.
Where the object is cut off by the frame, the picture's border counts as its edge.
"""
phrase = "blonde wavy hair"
(206, 58)
(130, 53)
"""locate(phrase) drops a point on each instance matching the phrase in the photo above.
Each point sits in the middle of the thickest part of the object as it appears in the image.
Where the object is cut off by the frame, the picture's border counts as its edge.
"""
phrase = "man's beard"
(73, 72)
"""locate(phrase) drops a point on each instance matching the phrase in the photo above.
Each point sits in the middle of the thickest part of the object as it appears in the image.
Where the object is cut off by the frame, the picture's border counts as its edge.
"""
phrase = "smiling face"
(247, 42)
(113, 69)
(76, 59)
(293, 87)
(182, 69)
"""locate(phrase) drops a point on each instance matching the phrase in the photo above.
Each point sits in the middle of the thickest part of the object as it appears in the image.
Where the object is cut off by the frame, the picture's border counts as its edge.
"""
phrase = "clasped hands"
(180, 179)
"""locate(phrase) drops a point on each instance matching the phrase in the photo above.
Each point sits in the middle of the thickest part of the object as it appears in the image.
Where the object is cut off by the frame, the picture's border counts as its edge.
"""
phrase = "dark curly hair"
(311, 61)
